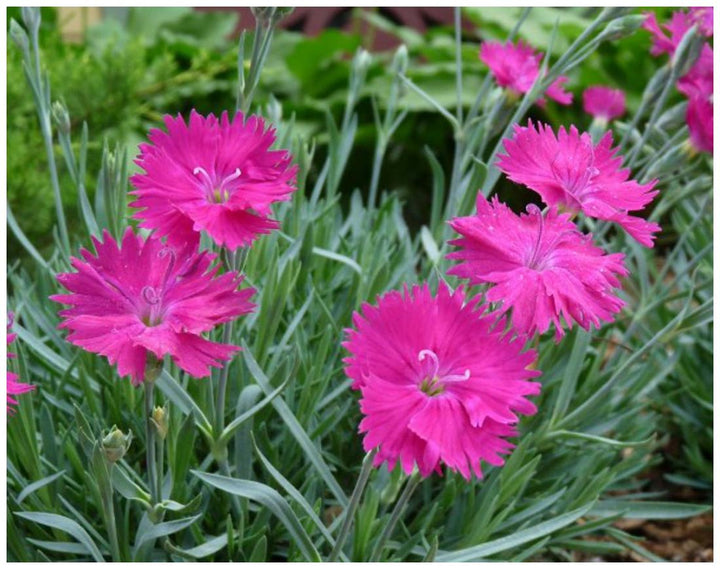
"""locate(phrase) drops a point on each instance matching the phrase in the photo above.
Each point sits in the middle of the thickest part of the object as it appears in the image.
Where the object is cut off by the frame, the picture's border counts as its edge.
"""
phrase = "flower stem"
(413, 483)
(349, 512)
(153, 482)
(231, 261)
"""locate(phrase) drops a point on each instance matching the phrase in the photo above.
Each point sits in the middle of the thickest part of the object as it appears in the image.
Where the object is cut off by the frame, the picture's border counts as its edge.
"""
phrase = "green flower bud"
(61, 117)
(160, 417)
(622, 27)
(19, 36)
(400, 60)
(115, 444)
(31, 17)
(687, 52)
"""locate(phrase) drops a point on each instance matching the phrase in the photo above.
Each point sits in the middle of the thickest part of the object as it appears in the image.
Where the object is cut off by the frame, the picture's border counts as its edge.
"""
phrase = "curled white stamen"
(150, 295)
(433, 356)
(532, 209)
(454, 378)
(205, 175)
(234, 176)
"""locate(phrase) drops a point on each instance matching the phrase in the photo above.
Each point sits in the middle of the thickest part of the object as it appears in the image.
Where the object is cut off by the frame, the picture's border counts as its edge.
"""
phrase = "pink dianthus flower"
(540, 266)
(699, 80)
(603, 102)
(217, 176)
(699, 119)
(440, 382)
(146, 297)
(516, 66)
(14, 387)
(571, 172)
(680, 22)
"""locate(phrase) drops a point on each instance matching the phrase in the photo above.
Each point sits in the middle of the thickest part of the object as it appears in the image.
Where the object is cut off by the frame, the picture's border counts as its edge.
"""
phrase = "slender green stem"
(458, 65)
(109, 507)
(150, 442)
(160, 457)
(375, 178)
(349, 513)
(231, 261)
(412, 484)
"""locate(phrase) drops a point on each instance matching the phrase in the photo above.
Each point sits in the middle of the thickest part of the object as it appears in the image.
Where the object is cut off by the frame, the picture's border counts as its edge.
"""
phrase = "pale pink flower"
(14, 387)
(441, 383)
(516, 66)
(539, 266)
(700, 123)
(217, 176)
(145, 296)
(569, 171)
(603, 102)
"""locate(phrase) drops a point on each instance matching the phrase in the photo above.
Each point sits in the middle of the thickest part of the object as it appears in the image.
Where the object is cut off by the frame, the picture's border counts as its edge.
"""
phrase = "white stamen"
(433, 356)
(455, 378)
(208, 179)
(234, 176)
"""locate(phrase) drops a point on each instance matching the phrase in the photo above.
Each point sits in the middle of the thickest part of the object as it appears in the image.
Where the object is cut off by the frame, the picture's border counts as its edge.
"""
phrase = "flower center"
(153, 311)
(434, 382)
(217, 192)
(575, 170)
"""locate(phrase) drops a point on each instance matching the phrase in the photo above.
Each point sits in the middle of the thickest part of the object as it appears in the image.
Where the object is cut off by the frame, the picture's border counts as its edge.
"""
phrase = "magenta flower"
(699, 80)
(604, 103)
(145, 297)
(679, 24)
(217, 176)
(540, 266)
(14, 387)
(699, 119)
(516, 66)
(441, 383)
(571, 172)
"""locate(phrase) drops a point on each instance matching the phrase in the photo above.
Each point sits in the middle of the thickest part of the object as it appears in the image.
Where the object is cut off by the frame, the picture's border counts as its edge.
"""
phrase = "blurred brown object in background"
(312, 21)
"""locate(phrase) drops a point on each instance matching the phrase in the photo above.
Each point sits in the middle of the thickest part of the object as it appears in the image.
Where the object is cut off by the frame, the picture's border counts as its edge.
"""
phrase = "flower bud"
(622, 27)
(115, 444)
(19, 36)
(31, 17)
(61, 117)
(687, 52)
(400, 60)
(263, 15)
(160, 416)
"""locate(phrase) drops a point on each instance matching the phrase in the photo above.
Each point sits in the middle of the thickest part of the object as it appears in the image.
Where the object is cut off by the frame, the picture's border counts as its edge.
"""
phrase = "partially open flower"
(441, 383)
(700, 123)
(146, 298)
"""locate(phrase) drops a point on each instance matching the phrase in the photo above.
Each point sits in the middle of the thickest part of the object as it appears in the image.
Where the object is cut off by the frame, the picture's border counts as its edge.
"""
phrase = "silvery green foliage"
(290, 438)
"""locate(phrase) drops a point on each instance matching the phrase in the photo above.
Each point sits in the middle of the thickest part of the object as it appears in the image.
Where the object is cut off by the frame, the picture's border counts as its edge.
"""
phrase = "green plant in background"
(291, 452)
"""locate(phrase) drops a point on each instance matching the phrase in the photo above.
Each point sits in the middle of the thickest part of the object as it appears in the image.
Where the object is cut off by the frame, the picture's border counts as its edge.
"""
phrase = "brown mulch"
(674, 540)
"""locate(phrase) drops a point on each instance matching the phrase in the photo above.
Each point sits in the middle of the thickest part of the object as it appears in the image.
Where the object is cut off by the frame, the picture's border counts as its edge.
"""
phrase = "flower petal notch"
(540, 266)
(142, 296)
(216, 176)
(441, 382)
(571, 172)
